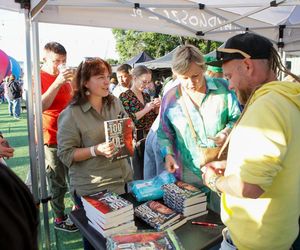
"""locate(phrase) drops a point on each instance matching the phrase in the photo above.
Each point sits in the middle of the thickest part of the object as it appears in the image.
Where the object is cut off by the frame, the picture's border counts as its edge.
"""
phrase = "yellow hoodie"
(265, 150)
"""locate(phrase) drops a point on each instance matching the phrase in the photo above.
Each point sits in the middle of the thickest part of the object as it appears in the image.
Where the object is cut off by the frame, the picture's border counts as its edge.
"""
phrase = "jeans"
(138, 160)
(227, 243)
(153, 161)
(14, 107)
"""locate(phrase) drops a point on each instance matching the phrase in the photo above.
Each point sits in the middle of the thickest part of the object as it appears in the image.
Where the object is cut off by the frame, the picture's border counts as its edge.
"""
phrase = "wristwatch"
(212, 183)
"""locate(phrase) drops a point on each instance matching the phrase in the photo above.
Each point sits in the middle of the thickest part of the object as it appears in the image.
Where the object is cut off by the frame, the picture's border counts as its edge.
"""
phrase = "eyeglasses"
(221, 51)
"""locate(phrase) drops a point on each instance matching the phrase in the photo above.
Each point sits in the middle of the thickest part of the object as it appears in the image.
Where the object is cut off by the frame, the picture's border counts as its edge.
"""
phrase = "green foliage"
(129, 43)
(112, 61)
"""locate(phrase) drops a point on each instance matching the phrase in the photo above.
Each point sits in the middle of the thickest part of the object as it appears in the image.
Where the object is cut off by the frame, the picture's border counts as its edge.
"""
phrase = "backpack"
(14, 90)
(1, 89)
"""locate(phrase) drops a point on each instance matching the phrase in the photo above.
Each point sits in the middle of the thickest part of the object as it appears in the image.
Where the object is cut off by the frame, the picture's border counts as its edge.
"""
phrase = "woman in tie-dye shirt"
(212, 107)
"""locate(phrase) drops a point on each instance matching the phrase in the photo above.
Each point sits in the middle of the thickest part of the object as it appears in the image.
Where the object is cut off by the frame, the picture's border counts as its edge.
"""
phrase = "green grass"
(15, 131)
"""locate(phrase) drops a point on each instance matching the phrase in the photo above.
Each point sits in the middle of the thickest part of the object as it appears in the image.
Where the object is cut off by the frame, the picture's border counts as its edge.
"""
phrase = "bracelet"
(212, 183)
(92, 151)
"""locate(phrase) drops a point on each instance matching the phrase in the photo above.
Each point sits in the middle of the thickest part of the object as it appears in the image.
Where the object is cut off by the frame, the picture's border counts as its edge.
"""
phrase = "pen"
(206, 224)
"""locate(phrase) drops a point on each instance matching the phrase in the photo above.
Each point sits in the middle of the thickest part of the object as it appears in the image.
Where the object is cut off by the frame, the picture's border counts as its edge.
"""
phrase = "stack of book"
(185, 198)
(159, 216)
(108, 213)
(144, 240)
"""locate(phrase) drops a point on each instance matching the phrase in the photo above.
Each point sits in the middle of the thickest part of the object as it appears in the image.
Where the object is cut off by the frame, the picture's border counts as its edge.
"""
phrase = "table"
(192, 237)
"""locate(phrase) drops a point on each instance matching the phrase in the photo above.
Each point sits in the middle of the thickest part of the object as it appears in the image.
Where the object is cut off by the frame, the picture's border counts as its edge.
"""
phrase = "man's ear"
(248, 65)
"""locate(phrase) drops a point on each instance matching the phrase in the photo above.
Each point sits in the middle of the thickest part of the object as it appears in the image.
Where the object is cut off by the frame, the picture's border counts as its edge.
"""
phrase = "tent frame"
(34, 110)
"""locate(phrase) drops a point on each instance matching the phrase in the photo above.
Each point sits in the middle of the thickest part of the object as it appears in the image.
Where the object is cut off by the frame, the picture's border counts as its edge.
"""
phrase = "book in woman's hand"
(119, 131)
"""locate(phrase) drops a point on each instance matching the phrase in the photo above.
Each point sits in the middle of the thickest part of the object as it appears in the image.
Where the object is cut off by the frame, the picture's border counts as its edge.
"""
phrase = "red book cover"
(106, 203)
(120, 132)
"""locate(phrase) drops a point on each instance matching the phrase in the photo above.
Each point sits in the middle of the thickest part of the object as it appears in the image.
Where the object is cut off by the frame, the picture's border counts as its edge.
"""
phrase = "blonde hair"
(183, 58)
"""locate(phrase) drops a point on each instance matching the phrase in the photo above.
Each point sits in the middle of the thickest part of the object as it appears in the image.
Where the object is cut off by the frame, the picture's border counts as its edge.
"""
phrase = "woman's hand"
(170, 165)
(106, 149)
(149, 106)
(156, 102)
(220, 138)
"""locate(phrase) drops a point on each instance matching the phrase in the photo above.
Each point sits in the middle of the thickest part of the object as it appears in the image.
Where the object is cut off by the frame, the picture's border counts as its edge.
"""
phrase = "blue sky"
(79, 41)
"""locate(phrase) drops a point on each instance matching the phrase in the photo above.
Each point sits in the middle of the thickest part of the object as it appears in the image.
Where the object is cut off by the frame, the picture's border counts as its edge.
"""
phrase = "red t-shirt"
(50, 115)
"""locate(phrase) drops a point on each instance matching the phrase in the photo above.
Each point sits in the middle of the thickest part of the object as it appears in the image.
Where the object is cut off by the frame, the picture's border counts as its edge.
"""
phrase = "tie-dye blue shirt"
(219, 109)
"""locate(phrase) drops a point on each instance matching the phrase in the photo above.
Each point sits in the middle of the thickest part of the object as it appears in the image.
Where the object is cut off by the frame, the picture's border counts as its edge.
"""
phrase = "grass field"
(15, 131)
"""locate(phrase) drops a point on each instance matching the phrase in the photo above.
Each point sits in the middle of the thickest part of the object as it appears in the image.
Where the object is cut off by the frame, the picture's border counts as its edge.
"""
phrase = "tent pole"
(30, 119)
(39, 131)
(280, 45)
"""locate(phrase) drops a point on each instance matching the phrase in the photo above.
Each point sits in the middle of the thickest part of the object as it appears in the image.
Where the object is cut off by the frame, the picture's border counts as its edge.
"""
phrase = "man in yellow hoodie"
(260, 181)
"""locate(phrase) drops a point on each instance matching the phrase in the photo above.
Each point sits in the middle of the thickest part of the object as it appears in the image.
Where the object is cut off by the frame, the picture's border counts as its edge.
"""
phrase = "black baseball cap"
(247, 45)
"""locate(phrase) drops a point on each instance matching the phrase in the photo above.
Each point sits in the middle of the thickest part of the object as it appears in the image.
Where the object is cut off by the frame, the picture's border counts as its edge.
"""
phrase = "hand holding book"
(106, 149)
(119, 131)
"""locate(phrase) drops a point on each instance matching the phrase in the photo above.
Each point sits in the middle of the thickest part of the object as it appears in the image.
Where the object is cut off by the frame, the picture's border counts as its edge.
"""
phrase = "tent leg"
(39, 133)
(283, 60)
(30, 121)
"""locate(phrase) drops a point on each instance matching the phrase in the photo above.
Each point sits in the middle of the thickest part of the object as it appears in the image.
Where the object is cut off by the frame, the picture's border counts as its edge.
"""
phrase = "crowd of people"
(235, 131)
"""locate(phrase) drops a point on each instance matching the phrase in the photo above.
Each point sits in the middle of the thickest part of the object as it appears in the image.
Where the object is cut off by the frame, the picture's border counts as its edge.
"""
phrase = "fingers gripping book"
(119, 131)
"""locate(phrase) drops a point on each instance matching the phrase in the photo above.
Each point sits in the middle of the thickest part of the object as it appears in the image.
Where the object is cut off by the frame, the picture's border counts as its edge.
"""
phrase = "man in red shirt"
(56, 95)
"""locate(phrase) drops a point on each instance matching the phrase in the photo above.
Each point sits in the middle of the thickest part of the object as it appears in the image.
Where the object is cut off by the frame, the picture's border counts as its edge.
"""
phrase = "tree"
(112, 61)
(129, 43)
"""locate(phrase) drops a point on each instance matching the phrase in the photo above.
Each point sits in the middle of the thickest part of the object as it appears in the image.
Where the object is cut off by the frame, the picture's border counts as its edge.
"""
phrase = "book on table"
(178, 223)
(185, 210)
(184, 193)
(110, 222)
(120, 132)
(106, 204)
(196, 215)
(185, 198)
(128, 226)
(156, 214)
(108, 212)
(144, 240)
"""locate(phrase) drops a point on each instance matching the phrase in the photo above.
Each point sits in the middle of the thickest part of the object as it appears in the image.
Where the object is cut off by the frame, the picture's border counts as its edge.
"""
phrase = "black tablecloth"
(191, 236)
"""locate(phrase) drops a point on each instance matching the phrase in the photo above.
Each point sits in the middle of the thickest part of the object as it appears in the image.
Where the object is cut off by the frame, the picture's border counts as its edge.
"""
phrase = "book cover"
(144, 240)
(156, 214)
(183, 194)
(120, 132)
(106, 204)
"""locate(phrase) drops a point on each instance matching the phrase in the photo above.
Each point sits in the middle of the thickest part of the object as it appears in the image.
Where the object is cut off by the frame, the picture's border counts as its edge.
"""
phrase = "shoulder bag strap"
(186, 112)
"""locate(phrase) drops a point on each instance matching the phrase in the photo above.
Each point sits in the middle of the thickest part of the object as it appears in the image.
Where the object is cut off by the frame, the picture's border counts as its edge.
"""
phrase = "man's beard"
(243, 96)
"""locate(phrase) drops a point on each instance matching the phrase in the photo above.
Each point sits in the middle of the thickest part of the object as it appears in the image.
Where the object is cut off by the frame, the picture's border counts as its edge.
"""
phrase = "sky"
(79, 41)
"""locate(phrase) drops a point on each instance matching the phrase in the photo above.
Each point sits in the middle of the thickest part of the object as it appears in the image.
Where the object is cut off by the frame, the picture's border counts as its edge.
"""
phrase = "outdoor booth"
(207, 19)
